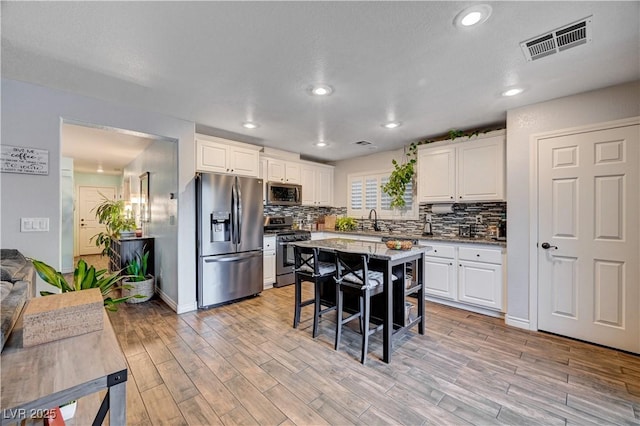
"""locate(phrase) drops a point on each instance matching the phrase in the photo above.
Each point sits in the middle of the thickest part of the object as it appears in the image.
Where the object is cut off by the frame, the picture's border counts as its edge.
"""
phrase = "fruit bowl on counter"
(399, 244)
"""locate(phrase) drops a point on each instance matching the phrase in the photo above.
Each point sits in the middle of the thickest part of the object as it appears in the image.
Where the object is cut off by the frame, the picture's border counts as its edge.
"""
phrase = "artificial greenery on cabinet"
(404, 171)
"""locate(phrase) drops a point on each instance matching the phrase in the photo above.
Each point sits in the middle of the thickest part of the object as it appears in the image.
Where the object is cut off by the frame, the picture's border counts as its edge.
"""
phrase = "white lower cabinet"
(269, 261)
(465, 275)
(480, 284)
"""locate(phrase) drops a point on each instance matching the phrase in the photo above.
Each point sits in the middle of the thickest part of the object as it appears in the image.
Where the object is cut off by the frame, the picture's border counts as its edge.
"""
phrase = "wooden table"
(40, 378)
(390, 259)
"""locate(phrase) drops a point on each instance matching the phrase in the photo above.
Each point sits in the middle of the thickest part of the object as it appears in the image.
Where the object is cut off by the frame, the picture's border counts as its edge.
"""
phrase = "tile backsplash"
(442, 224)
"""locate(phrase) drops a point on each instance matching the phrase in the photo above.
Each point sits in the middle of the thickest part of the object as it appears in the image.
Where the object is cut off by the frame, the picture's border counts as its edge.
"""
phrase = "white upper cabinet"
(437, 175)
(317, 184)
(283, 171)
(481, 171)
(216, 155)
(462, 172)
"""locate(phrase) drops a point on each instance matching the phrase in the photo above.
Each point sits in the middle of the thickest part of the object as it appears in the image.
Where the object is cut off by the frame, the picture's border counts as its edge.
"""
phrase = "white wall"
(160, 160)
(31, 117)
(380, 161)
(597, 106)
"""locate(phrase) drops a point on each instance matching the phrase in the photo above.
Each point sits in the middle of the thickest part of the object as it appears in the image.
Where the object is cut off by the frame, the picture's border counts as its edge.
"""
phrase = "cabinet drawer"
(441, 251)
(480, 255)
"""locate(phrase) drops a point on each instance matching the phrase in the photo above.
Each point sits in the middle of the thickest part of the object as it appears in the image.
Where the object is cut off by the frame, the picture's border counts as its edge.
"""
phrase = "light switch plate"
(34, 224)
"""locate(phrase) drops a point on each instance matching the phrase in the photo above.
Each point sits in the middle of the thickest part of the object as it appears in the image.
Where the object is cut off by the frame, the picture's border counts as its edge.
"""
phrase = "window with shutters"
(366, 194)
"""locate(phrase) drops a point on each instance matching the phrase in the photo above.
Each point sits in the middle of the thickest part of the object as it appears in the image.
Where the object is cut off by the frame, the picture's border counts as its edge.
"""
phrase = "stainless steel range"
(282, 228)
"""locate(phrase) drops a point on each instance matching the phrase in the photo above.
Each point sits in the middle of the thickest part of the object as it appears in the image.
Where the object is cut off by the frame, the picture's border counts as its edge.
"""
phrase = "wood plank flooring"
(244, 364)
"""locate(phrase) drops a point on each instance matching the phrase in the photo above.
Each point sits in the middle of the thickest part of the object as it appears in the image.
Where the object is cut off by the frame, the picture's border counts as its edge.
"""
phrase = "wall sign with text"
(18, 159)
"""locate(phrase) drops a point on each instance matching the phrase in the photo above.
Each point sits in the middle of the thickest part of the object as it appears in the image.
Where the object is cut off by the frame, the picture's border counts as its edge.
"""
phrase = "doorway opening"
(103, 162)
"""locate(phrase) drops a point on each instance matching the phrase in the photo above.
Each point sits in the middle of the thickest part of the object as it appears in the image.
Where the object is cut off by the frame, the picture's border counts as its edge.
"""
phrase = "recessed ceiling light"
(320, 90)
(321, 144)
(512, 92)
(392, 124)
(100, 169)
(473, 15)
(250, 125)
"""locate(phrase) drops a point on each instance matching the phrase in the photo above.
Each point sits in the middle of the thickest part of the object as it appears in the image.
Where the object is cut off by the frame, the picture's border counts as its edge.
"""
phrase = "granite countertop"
(374, 249)
(417, 236)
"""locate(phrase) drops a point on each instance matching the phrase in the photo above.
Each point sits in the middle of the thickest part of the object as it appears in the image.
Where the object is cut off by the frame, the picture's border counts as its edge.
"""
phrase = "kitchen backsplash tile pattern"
(442, 224)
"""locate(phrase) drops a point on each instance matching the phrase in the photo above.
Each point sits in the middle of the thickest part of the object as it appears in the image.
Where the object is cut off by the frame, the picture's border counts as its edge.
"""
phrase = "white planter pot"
(145, 288)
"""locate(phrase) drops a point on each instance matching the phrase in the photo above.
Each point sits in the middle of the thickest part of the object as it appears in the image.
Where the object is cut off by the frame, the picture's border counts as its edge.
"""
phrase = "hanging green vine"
(400, 177)
(404, 171)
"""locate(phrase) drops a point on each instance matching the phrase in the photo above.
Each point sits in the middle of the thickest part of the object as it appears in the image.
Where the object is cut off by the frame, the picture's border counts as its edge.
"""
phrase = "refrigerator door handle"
(239, 211)
(233, 214)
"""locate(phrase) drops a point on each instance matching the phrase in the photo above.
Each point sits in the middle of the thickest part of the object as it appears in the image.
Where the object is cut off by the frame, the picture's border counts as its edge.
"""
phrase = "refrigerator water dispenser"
(220, 226)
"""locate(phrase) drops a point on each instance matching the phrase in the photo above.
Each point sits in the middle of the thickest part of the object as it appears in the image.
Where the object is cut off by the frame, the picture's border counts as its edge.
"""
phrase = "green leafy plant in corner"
(346, 224)
(398, 179)
(84, 278)
(112, 215)
(136, 269)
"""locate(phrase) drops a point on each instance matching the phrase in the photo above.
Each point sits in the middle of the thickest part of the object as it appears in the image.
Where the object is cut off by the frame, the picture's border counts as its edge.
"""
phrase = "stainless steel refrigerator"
(230, 226)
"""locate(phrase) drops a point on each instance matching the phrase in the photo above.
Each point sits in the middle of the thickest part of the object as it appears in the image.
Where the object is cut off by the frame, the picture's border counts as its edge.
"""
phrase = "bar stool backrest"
(352, 267)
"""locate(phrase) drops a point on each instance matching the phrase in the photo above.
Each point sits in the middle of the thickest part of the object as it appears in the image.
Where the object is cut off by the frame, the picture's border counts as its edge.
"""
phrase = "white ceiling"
(221, 63)
(93, 147)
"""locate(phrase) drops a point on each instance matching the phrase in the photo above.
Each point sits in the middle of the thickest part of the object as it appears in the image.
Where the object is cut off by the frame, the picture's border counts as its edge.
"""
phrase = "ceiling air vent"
(560, 39)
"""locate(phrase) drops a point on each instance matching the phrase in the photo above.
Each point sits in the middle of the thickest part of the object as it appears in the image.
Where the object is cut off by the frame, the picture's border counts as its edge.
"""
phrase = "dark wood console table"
(40, 378)
(124, 249)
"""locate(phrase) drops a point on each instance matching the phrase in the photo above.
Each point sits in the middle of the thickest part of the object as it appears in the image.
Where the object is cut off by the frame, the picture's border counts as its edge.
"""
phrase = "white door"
(88, 198)
(588, 259)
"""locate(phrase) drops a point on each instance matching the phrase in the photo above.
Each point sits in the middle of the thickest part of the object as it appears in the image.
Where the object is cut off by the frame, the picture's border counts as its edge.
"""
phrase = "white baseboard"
(178, 309)
(187, 307)
(517, 322)
(472, 308)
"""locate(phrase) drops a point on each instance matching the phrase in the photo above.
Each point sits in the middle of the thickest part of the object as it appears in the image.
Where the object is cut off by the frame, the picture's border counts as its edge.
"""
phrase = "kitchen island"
(391, 262)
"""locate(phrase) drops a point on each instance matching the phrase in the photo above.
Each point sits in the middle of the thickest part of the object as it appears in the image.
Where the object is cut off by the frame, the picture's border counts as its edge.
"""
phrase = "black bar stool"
(353, 275)
(309, 268)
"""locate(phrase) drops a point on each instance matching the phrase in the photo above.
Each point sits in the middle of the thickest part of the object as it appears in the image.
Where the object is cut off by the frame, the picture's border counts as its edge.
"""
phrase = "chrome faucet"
(375, 219)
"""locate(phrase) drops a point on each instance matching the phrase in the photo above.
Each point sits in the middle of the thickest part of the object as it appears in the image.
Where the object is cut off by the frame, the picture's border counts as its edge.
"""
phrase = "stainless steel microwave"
(284, 194)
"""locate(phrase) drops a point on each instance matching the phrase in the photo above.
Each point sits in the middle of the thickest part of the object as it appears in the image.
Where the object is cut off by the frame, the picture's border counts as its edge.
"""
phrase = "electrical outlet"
(479, 219)
(429, 218)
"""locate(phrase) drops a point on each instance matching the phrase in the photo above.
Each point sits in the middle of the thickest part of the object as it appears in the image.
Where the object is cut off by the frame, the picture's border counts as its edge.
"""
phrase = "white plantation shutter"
(356, 195)
(408, 196)
(365, 193)
(371, 193)
(385, 199)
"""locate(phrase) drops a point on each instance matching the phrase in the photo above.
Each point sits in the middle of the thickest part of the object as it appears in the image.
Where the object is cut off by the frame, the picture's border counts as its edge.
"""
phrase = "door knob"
(547, 246)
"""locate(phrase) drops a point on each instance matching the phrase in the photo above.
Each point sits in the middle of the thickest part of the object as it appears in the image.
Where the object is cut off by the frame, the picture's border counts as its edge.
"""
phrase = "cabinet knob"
(450, 264)
(460, 197)
(435, 251)
(451, 197)
(477, 255)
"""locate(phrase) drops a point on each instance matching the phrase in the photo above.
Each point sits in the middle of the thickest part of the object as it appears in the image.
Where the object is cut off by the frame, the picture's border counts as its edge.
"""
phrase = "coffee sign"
(17, 159)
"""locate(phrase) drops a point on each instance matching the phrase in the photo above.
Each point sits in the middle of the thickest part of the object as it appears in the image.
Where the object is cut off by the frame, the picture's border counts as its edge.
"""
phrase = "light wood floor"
(245, 364)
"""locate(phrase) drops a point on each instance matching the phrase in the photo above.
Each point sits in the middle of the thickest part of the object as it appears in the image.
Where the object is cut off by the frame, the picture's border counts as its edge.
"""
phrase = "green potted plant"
(84, 278)
(137, 280)
(346, 224)
(111, 214)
